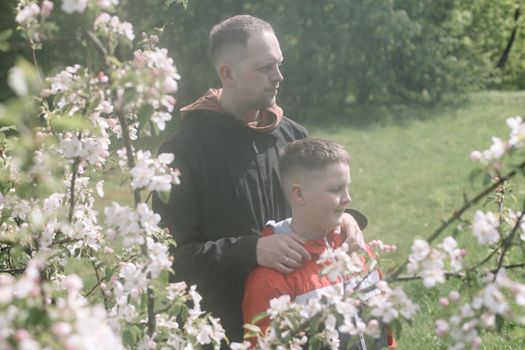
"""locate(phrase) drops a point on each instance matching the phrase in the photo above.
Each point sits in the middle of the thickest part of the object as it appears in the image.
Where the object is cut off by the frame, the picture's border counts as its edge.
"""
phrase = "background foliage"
(355, 62)
(352, 52)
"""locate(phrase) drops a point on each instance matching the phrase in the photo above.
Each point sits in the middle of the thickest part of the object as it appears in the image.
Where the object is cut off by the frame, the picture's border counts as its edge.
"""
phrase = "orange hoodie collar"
(270, 117)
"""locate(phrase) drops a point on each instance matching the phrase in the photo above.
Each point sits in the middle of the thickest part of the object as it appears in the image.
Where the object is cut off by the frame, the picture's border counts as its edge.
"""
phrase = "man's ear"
(225, 71)
(297, 194)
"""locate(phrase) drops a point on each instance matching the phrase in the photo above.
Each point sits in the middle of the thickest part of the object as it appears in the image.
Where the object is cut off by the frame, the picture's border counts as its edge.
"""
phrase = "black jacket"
(229, 189)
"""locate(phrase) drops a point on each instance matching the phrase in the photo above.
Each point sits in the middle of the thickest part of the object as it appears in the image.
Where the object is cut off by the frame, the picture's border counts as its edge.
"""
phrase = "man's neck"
(230, 105)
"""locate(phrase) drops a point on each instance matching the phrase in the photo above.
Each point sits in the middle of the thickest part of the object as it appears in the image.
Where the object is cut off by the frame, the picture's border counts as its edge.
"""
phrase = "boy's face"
(325, 196)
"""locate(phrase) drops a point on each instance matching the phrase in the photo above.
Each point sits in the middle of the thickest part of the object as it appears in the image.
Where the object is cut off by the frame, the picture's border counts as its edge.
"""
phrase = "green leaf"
(7, 128)
(486, 179)
(145, 112)
(130, 95)
(6, 214)
(24, 190)
(6, 34)
(396, 328)
(176, 309)
(108, 273)
(115, 61)
(315, 343)
(500, 322)
(259, 317)
(129, 337)
(164, 196)
(253, 330)
(70, 123)
(36, 317)
(475, 175)
(143, 301)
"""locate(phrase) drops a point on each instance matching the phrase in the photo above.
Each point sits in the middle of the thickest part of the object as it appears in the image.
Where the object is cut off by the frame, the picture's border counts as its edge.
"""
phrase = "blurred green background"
(338, 53)
(409, 87)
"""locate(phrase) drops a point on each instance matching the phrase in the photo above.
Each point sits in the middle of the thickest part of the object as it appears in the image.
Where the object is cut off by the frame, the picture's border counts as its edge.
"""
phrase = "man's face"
(326, 196)
(256, 74)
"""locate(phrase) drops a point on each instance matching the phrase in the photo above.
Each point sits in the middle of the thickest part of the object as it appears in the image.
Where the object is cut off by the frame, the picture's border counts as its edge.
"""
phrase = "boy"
(315, 176)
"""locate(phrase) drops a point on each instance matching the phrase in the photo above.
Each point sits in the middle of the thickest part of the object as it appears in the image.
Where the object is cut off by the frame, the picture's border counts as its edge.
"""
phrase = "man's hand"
(354, 236)
(281, 252)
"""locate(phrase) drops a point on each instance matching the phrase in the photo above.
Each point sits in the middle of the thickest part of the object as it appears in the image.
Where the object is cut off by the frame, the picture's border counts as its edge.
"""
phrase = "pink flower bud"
(46, 8)
(35, 291)
(454, 295)
(442, 328)
(463, 252)
(62, 329)
(102, 78)
(22, 334)
(134, 293)
(139, 59)
(152, 92)
(475, 155)
(104, 4)
(45, 93)
(443, 301)
(476, 342)
(73, 282)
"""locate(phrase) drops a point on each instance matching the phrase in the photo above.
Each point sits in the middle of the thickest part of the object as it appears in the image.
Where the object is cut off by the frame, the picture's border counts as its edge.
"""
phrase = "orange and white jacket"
(264, 284)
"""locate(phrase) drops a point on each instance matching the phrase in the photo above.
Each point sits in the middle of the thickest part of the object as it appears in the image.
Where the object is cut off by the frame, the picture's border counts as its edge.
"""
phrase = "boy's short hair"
(310, 154)
(235, 30)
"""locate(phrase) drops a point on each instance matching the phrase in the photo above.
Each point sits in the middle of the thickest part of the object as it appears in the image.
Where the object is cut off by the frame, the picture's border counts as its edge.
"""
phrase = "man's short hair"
(310, 154)
(235, 30)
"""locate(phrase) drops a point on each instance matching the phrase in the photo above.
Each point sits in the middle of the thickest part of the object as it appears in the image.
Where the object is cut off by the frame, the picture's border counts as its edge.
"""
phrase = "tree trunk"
(504, 57)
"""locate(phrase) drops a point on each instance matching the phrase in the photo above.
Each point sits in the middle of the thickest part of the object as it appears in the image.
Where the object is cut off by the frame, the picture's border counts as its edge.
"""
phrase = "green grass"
(410, 168)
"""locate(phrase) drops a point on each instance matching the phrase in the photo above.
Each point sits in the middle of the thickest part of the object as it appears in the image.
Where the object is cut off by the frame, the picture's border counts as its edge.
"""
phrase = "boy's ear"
(297, 194)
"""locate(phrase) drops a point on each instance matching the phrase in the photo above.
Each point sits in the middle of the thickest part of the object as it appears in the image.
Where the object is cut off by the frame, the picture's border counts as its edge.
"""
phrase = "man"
(226, 150)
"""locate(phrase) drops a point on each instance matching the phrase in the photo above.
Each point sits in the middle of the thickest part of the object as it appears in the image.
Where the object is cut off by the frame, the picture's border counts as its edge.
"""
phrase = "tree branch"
(507, 242)
(456, 215)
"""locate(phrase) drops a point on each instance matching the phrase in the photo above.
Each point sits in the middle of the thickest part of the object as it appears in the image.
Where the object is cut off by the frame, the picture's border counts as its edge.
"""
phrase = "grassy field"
(410, 168)
(409, 171)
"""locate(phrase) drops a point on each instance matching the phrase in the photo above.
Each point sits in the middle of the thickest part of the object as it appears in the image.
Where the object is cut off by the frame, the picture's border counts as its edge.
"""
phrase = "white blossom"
(71, 146)
(159, 257)
(105, 4)
(485, 227)
(420, 250)
(27, 12)
(108, 24)
(517, 133)
(176, 290)
(278, 306)
(160, 118)
(442, 328)
(16, 80)
(64, 80)
(21, 209)
(70, 6)
(153, 174)
(100, 188)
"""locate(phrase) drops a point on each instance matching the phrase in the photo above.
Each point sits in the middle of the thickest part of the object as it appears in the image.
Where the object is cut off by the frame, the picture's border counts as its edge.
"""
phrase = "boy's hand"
(354, 236)
(283, 253)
